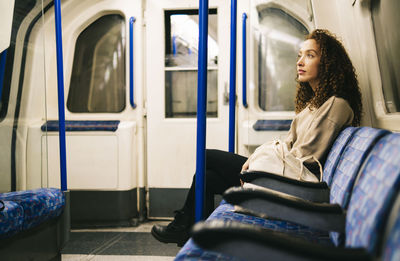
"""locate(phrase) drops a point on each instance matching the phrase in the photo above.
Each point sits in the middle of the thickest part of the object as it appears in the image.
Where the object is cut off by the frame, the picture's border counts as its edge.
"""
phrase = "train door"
(18, 17)
(275, 30)
(172, 43)
(103, 123)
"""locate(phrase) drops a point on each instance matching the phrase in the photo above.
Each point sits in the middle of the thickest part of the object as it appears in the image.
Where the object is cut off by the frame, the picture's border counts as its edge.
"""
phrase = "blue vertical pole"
(60, 83)
(3, 59)
(244, 58)
(201, 109)
(131, 82)
(232, 82)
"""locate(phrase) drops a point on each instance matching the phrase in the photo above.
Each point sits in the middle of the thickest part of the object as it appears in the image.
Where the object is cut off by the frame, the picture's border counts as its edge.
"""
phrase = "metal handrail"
(3, 59)
(131, 82)
(244, 58)
(232, 82)
(201, 110)
(60, 84)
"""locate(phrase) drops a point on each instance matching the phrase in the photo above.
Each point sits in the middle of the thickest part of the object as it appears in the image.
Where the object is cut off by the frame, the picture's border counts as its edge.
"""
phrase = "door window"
(98, 72)
(278, 40)
(181, 57)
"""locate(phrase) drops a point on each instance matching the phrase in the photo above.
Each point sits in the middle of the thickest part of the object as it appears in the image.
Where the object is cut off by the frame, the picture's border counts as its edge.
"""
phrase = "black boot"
(176, 232)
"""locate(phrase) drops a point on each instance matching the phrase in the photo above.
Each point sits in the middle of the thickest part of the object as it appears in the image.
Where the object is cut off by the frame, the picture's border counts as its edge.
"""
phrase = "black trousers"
(222, 172)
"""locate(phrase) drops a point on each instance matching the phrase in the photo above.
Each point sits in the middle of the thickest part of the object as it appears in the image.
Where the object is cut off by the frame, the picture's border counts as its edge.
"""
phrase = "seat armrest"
(248, 242)
(313, 191)
(264, 203)
(250, 175)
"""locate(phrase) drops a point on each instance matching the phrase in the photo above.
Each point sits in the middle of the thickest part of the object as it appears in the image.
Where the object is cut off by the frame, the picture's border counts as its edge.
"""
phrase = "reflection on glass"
(386, 22)
(185, 41)
(98, 72)
(181, 58)
(278, 38)
(184, 93)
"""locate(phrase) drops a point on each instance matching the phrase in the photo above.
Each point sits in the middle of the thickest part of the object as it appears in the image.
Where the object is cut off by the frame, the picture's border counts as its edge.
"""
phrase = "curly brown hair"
(336, 74)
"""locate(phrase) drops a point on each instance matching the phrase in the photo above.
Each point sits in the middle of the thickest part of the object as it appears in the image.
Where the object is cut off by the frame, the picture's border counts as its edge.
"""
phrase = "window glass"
(181, 57)
(278, 39)
(386, 21)
(21, 10)
(98, 72)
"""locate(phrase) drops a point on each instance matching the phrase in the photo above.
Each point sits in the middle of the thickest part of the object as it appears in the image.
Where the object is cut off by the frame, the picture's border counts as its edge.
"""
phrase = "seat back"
(350, 163)
(391, 246)
(335, 152)
(374, 194)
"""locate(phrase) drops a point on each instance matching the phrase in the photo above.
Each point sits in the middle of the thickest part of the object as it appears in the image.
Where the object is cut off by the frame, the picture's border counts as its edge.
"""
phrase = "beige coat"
(310, 136)
(313, 131)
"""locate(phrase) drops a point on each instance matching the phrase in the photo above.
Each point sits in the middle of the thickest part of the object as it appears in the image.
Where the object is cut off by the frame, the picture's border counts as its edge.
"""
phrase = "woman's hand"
(244, 167)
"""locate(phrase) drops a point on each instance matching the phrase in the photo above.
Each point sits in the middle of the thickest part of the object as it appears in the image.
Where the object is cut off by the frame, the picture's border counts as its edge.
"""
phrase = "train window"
(278, 38)
(98, 71)
(181, 56)
(21, 10)
(386, 21)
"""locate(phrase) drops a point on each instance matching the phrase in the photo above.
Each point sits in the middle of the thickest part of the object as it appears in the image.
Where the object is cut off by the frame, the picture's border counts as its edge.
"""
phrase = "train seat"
(351, 157)
(31, 224)
(376, 188)
(295, 211)
(317, 192)
(11, 218)
(226, 212)
(38, 205)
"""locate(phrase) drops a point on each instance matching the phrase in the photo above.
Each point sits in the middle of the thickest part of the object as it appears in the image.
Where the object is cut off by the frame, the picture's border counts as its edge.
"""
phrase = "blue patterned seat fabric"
(391, 251)
(37, 206)
(349, 165)
(353, 156)
(335, 152)
(374, 194)
(225, 212)
(11, 219)
(190, 251)
(82, 126)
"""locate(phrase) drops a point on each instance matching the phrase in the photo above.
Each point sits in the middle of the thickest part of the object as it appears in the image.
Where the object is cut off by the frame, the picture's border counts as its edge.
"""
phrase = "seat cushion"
(226, 212)
(11, 219)
(38, 205)
(190, 251)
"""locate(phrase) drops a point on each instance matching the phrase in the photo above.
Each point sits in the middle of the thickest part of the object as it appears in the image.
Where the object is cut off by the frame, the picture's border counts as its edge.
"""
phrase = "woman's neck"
(314, 85)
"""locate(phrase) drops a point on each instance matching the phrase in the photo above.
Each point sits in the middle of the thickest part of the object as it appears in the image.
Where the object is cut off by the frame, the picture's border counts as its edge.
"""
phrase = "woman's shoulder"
(340, 104)
(335, 103)
(337, 109)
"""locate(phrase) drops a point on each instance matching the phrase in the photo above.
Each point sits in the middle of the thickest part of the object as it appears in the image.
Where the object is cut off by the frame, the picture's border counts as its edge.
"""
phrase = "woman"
(328, 98)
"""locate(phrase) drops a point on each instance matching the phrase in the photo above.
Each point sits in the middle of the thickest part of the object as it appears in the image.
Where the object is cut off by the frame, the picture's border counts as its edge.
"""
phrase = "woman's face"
(307, 63)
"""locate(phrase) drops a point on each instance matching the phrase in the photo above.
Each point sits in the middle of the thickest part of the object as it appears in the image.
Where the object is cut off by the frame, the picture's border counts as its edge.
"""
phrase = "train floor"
(118, 244)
